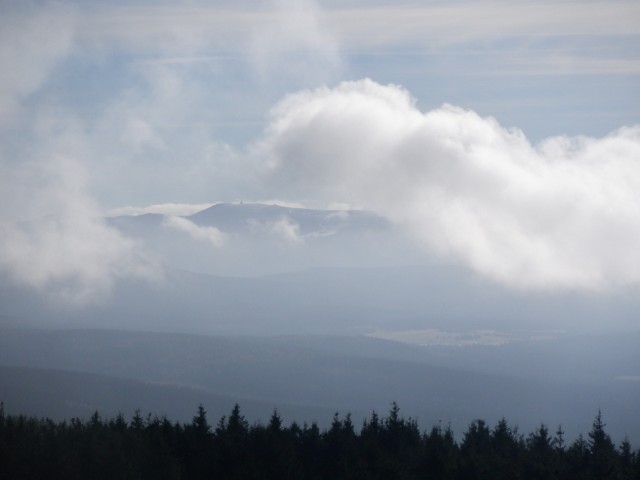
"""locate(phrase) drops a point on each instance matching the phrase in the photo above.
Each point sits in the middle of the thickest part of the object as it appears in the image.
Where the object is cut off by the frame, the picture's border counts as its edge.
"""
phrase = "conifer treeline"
(384, 448)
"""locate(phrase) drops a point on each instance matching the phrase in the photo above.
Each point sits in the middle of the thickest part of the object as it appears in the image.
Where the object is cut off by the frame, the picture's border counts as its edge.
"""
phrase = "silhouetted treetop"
(384, 448)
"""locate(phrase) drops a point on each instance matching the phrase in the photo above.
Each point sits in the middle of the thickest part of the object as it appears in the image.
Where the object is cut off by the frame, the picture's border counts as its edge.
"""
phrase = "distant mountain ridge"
(234, 217)
(255, 239)
(240, 217)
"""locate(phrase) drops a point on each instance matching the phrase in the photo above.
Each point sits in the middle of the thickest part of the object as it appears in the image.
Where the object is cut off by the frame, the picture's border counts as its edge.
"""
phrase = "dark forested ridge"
(390, 447)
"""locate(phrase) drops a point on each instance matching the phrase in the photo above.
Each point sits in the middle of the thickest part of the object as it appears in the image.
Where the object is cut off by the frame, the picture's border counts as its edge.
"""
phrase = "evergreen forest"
(391, 447)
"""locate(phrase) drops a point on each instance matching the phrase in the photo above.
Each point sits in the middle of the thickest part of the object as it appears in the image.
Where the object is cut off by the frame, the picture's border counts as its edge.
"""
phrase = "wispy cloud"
(295, 40)
(31, 45)
(173, 27)
(282, 229)
(563, 64)
(197, 232)
(70, 255)
(454, 23)
(288, 230)
(273, 37)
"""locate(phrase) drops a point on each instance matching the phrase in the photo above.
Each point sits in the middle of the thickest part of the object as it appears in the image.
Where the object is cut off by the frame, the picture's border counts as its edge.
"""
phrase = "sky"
(505, 135)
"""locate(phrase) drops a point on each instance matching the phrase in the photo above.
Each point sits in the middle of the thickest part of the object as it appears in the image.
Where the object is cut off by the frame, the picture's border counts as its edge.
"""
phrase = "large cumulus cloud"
(562, 213)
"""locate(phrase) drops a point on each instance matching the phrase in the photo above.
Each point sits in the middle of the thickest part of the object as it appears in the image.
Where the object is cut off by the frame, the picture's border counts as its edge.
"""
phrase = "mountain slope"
(242, 217)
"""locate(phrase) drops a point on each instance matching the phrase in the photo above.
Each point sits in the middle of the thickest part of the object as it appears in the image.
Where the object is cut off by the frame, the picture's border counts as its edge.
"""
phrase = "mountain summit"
(238, 217)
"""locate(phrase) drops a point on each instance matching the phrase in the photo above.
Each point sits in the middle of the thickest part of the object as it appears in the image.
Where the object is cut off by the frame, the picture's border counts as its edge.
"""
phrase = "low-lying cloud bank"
(563, 213)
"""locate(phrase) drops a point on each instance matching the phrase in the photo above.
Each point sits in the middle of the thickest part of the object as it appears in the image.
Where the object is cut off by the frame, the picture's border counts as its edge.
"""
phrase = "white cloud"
(52, 236)
(287, 229)
(282, 229)
(140, 134)
(61, 158)
(281, 203)
(71, 255)
(208, 234)
(565, 213)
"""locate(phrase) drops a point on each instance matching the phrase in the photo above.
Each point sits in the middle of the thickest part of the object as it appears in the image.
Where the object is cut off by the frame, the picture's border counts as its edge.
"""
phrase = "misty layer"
(73, 255)
(563, 213)
(207, 234)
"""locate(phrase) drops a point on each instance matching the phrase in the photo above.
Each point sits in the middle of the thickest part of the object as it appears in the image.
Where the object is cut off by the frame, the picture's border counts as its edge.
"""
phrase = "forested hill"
(383, 448)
